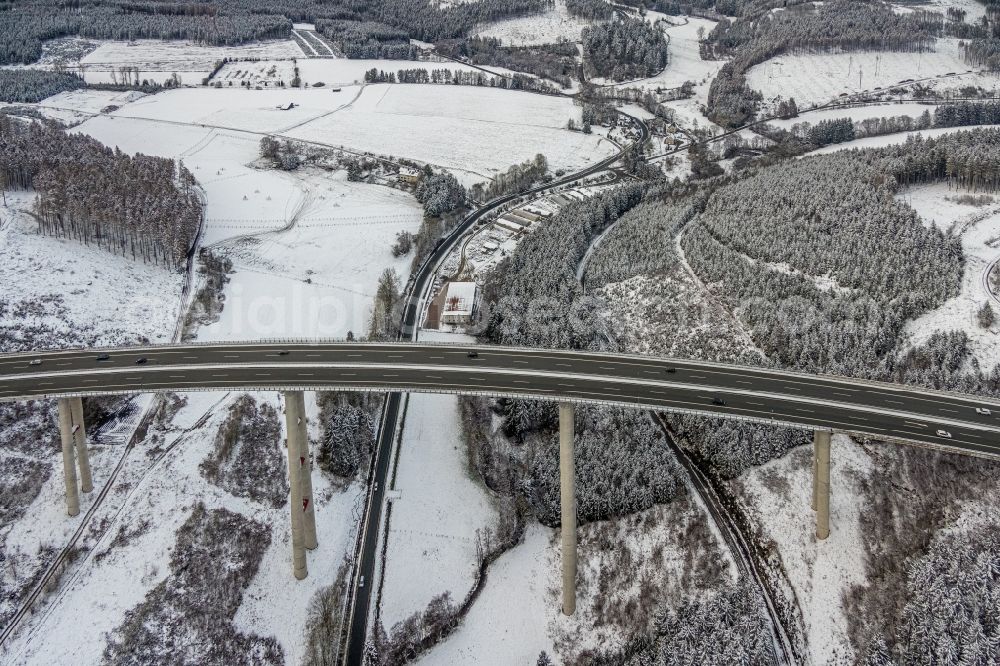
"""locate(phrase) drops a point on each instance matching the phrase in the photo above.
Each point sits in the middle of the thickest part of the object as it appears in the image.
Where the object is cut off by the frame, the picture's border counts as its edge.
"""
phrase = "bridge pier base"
(295, 426)
(80, 438)
(821, 482)
(567, 477)
(68, 457)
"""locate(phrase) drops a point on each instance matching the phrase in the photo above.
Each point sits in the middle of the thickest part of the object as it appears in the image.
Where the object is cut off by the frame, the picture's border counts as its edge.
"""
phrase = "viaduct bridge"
(825, 404)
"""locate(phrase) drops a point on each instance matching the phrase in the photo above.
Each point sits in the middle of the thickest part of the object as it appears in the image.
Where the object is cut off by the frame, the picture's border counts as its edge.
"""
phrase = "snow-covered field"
(685, 65)
(439, 509)
(102, 61)
(979, 229)
(472, 131)
(817, 78)
(554, 25)
(158, 60)
(509, 623)
(318, 278)
(856, 113)
(81, 289)
(778, 497)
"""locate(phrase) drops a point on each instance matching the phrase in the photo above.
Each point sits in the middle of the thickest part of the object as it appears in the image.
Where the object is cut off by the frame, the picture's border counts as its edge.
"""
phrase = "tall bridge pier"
(73, 434)
(567, 502)
(300, 496)
(821, 482)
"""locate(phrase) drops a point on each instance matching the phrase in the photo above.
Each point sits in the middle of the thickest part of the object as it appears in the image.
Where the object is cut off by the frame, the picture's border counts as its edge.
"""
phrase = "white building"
(459, 303)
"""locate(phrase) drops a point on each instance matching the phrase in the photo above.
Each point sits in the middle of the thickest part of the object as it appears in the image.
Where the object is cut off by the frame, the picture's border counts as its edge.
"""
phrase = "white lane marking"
(894, 402)
(696, 376)
(914, 423)
(758, 404)
(806, 411)
(791, 388)
(846, 395)
(942, 409)
(598, 379)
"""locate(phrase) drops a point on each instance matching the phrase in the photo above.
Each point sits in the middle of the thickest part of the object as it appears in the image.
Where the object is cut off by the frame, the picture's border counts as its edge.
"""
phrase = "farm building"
(459, 303)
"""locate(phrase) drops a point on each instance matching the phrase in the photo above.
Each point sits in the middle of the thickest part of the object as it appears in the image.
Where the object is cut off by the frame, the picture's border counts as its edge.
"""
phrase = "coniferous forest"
(140, 207)
(364, 28)
(627, 49)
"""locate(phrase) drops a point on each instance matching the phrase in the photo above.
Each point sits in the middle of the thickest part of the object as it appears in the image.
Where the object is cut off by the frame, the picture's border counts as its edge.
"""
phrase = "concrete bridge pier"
(305, 469)
(69, 459)
(567, 499)
(294, 420)
(821, 482)
(80, 438)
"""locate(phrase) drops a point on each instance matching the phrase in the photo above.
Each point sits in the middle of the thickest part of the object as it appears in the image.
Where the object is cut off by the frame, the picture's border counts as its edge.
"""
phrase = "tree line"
(556, 61)
(591, 9)
(457, 77)
(140, 207)
(518, 178)
(34, 85)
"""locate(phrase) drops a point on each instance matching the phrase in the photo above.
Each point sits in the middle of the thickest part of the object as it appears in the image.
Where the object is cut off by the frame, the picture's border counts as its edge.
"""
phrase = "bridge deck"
(875, 409)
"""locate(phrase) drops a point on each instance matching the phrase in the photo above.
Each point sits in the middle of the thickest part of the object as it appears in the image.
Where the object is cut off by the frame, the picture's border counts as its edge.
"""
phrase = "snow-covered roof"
(460, 298)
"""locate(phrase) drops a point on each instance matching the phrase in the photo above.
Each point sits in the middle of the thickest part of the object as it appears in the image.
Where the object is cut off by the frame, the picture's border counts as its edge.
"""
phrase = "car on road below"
(943, 433)
(361, 582)
(35, 361)
(104, 357)
(283, 352)
(473, 354)
(718, 401)
(142, 360)
(983, 411)
(670, 370)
